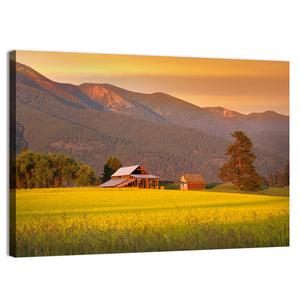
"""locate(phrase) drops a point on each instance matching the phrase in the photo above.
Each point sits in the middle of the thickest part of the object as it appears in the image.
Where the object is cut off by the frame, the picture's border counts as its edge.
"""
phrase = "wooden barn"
(132, 176)
(192, 182)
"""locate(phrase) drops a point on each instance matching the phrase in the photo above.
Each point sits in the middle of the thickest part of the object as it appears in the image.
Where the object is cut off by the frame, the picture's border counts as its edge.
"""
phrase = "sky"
(244, 86)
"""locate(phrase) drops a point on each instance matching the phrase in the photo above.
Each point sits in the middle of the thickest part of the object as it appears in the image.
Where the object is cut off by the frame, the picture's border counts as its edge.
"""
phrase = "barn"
(192, 182)
(132, 176)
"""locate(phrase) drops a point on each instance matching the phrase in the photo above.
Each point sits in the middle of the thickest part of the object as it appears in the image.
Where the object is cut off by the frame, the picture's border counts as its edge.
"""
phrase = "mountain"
(91, 122)
(268, 130)
(64, 93)
(118, 104)
(226, 113)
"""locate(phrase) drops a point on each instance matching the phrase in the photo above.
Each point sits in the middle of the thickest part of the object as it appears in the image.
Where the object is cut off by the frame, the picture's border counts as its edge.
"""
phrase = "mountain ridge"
(123, 90)
(218, 121)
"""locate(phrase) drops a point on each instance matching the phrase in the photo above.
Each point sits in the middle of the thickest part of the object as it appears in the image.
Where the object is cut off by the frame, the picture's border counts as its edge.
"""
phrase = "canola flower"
(92, 220)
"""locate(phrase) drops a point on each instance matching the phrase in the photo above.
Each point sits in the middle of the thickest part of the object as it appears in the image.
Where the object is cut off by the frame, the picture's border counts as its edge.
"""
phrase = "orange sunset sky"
(242, 85)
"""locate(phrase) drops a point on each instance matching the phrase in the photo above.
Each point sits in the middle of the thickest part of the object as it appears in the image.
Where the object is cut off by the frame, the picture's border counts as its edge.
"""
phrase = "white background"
(219, 29)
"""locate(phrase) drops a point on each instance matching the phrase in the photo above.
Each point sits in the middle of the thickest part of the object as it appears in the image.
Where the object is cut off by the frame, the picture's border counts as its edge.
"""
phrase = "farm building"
(133, 176)
(192, 182)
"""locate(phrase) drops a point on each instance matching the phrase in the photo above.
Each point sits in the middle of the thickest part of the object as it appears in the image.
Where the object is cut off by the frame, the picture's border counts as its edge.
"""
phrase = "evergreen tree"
(111, 166)
(239, 169)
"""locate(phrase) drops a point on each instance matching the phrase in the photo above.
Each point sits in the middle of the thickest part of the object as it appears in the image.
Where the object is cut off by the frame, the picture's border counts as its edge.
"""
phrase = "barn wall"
(196, 186)
(183, 185)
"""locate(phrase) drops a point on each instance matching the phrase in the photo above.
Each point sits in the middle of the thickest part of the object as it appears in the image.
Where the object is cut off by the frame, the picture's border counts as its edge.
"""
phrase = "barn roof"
(148, 176)
(125, 171)
(192, 178)
(125, 182)
(112, 182)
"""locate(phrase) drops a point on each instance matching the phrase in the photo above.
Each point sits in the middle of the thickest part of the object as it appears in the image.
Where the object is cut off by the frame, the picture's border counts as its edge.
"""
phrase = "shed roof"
(125, 171)
(192, 178)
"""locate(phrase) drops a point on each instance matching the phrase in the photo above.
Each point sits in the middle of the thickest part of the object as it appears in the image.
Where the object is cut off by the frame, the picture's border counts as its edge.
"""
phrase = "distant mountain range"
(167, 135)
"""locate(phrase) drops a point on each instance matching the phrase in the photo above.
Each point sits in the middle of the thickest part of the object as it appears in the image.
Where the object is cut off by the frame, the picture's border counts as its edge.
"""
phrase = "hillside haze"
(166, 135)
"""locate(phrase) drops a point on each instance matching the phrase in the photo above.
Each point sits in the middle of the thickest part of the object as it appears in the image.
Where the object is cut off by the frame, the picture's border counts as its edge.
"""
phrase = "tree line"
(38, 170)
(280, 179)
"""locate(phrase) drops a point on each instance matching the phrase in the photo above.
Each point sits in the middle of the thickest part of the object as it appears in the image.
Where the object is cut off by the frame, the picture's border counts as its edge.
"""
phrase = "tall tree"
(262, 181)
(271, 179)
(111, 166)
(239, 169)
(25, 164)
(84, 176)
(41, 173)
(278, 178)
(286, 175)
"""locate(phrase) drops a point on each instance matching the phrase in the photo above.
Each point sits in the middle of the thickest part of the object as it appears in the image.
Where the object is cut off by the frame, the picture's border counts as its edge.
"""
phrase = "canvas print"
(132, 153)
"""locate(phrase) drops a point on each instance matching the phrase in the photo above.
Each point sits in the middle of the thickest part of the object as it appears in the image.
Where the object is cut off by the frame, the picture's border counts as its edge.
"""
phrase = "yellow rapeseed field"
(92, 220)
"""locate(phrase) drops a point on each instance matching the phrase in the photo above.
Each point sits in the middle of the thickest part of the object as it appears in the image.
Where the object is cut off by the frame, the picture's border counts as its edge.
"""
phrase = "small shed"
(192, 182)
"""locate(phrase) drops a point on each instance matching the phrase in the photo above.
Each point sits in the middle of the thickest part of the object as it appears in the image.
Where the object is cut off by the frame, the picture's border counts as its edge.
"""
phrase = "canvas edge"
(12, 154)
